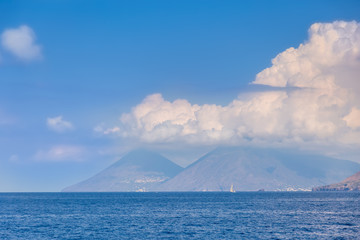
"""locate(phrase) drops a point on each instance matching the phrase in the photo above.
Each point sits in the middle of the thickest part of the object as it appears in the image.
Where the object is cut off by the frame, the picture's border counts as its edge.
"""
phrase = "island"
(351, 183)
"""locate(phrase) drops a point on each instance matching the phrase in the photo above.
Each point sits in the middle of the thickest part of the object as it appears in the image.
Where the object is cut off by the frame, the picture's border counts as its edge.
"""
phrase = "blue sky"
(100, 59)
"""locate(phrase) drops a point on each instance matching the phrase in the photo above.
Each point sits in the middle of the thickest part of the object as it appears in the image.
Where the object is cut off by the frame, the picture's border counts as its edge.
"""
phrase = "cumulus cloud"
(61, 153)
(57, 124)
(21, 43)
(316, 100)
(353, 118)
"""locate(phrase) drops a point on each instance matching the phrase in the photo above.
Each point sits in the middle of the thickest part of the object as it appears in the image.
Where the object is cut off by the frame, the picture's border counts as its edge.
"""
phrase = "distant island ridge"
(351, 183)
(246, 169)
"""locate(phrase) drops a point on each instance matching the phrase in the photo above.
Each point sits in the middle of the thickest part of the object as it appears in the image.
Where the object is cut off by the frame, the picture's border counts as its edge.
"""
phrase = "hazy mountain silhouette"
(139, 170)
(351, 183)
(249, 169)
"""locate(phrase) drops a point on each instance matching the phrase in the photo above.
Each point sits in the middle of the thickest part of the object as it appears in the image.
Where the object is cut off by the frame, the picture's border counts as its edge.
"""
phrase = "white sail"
(232, 188)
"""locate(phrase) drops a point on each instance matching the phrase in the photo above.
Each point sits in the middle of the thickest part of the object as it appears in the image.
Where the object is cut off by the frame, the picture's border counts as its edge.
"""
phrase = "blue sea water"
(243, 215)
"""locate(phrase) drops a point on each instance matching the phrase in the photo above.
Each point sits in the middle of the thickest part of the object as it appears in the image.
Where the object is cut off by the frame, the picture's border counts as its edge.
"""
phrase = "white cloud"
(319, 102)
(57, 124)
(61, 153)
(332, 49)
(112, 130)
(21, 42)
(353, 118)
(100, 129)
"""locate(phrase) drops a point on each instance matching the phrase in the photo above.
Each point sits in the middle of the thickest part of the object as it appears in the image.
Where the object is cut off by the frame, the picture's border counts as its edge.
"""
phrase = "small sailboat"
(232, 188)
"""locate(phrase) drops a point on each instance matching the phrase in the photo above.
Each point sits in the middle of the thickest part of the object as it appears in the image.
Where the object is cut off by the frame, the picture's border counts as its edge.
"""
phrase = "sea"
(180, 215)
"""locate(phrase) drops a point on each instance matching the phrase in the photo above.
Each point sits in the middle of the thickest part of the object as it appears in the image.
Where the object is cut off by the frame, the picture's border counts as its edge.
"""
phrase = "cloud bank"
(57, 124)
(318, 100)
(21, 43)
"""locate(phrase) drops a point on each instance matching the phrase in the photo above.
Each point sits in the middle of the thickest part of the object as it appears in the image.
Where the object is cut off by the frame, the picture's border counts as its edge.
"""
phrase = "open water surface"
(243, 215)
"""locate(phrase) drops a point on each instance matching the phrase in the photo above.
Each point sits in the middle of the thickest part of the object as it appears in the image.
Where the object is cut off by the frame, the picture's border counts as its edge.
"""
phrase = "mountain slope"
(351, 183)
(139, 170)
(251, 169)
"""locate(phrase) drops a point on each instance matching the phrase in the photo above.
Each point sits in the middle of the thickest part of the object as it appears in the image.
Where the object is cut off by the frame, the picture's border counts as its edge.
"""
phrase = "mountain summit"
(246, 169)
(139, 170)
(251, 169)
